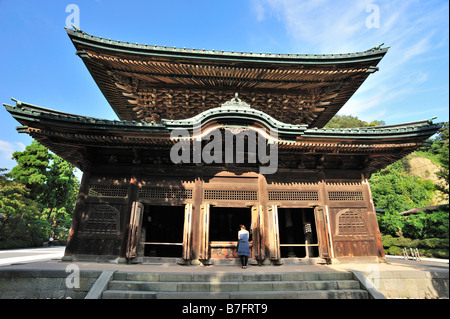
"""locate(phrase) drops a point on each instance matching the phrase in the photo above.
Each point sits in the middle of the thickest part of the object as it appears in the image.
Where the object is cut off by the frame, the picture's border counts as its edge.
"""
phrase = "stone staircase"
(298, 285)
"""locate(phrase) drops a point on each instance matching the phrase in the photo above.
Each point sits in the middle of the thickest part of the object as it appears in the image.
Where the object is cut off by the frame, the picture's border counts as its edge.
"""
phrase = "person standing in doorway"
(243, 247)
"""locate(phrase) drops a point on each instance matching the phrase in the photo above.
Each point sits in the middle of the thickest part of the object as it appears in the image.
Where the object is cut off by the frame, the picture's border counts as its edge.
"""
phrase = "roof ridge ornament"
(236, 102)
(75, 28)
(378, 47)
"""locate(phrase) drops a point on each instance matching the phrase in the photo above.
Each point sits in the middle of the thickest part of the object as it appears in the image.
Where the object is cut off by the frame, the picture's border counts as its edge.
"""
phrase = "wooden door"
(257, 232)
(322, 232)
(204, 232)
(134, 232)
(273, 232)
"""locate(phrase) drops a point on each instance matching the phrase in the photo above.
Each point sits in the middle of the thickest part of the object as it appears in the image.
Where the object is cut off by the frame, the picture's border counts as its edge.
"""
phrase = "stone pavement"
(393, 264)
(24, 255)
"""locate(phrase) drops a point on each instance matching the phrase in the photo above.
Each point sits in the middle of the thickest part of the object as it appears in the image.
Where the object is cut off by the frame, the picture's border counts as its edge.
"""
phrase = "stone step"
(289, 285)
(239, 277)
(233, 286)
(313, 294)
(124, 294)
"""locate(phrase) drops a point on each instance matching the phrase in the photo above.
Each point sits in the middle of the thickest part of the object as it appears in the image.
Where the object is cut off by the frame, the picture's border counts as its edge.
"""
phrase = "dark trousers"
(244, 260)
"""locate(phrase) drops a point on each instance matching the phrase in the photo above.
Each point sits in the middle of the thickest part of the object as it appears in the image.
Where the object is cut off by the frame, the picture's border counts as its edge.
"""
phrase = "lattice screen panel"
(345, 196)
(103, 219)
(108, 191)
(294, 195)
(230, 195)
(165, 193)
(351, 224)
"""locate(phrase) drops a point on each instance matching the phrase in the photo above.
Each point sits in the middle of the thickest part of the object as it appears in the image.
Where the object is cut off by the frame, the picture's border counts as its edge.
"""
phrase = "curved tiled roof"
(372, 54)
(146, 82)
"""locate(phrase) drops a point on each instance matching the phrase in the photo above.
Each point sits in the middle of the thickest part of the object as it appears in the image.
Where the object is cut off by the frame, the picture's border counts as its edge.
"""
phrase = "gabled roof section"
(151, 83)
(238, 113)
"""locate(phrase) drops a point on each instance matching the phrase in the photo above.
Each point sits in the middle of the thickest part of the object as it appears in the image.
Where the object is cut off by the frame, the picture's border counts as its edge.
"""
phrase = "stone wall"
(45, 284)
(407, 284)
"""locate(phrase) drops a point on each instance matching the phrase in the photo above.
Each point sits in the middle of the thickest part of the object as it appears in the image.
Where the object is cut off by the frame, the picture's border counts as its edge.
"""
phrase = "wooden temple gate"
(198, 218)
(136, 201)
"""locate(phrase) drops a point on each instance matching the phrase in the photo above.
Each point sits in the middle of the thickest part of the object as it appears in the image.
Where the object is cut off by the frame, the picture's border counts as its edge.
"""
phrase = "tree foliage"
(37, 196)
(349, 121)
(395, 191)
(17, 209)
(440, 147)
(427, 224)
(31, 170)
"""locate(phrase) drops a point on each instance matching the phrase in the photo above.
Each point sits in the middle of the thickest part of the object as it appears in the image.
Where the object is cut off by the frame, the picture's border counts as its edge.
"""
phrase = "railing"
(301, 245)
(160, 243)
(415, 255)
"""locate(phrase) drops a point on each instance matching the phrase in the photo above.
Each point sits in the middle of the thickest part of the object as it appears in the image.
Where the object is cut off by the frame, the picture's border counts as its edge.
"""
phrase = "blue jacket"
(243, 248)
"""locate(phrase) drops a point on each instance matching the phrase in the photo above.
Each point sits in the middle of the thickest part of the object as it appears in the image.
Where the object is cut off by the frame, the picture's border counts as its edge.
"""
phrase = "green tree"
(20, 214)
(349, 121)
(395, 191)
(62, 189)
(443, 153)
(31, 170)
(427, 224)
(51, 182)
(438, 150)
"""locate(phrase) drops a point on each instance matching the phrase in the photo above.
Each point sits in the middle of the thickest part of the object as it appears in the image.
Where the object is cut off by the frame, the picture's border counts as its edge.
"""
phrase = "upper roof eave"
(80, 37)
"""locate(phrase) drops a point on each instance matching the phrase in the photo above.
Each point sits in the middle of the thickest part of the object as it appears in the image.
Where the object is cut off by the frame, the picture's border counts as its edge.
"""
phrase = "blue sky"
(38, 64)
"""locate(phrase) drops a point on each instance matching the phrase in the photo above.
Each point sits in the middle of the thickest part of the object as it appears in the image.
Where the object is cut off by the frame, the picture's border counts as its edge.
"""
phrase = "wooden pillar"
(133, 195)
(187, 232)
(263, 222)
(196, 218)
(79, 211)
(270, 239)
(323, 221)
(257, 232)
(134, 232)
(372, 217)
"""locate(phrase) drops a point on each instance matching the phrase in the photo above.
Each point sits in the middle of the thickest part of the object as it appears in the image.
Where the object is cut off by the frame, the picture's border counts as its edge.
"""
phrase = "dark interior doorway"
(164, 227)
(297, 228)
(224, 222)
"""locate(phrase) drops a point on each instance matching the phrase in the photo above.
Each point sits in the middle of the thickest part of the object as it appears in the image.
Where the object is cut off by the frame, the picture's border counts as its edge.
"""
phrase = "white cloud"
(328, 26)
(416, 31)
(7, 149)
(259, 11)
(415, 49)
